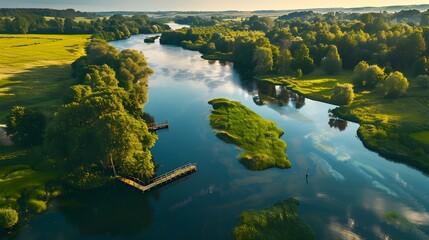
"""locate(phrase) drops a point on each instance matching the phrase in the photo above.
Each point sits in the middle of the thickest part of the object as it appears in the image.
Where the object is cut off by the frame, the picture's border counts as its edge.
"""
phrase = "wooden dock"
(157, 126)
(162, 179)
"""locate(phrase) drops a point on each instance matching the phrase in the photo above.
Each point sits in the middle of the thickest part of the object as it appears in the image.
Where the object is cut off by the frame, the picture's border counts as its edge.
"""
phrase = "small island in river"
(259, 138)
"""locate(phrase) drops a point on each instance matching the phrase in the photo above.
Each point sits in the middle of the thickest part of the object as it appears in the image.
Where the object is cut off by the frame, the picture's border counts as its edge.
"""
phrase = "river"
(348, 192)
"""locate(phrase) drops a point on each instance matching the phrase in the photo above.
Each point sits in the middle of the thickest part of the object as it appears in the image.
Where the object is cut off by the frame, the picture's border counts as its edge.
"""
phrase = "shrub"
(36, 206)
(343, 94)
(395, 85)
(8, 217)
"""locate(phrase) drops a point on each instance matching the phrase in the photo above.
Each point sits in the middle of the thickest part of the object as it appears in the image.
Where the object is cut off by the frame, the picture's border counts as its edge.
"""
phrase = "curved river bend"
(349, 188)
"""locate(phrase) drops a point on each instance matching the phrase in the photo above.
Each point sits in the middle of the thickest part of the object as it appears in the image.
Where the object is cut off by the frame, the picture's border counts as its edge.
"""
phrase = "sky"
(198, 5)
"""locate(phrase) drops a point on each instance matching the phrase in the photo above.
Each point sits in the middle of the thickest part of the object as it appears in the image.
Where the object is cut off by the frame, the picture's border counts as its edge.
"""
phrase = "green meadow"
(35, 69)
(259, 138)
(396, 128)
(34, 72)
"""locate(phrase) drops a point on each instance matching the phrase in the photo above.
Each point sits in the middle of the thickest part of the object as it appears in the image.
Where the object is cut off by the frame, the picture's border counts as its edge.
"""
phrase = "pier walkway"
(162, 179)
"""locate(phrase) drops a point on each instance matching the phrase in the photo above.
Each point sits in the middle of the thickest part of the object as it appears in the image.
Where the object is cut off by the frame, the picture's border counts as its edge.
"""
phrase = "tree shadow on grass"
(40, 88)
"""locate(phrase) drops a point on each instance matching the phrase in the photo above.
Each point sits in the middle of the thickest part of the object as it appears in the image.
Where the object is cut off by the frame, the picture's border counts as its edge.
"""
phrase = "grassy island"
(234, 123)
(280, 221)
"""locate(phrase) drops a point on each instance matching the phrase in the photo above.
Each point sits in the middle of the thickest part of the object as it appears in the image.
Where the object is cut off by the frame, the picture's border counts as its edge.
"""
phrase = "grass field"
(34, 72)
(35, 69)
(396, 128)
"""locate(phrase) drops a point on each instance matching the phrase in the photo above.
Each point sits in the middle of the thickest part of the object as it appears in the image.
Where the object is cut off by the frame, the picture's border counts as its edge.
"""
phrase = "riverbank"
(395, 128)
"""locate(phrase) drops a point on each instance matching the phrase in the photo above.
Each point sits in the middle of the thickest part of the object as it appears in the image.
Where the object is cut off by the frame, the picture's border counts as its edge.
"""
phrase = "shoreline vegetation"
(39, 80)
(314, 53)
(394, 128)
(279, 221)
(259, 138)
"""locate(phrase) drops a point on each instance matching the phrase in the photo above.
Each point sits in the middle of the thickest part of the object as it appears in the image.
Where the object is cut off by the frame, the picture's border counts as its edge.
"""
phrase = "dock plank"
(162, 179)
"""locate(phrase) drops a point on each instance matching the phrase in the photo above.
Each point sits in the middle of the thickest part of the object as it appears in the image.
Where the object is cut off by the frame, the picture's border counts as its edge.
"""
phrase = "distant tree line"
(113, 28)
(45, 12)
(297, 42)
(197, 21)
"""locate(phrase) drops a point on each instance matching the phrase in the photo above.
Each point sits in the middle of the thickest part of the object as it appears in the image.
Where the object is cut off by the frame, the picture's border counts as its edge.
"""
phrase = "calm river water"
(349, 188)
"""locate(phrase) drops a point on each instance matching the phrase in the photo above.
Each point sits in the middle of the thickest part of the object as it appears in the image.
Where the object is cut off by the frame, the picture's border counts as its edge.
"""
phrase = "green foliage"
(113, 28)
(368, 77)
(101, 126)
(421, 67)
(36, 206)
(76, 93)
(8, 217)
(234, 123)
(302, 59)
(423, 81)
(395, 85)
(280, 221)
(343, 94)
(263, 57)
(25, 126)
(100, 77)
(332, 62)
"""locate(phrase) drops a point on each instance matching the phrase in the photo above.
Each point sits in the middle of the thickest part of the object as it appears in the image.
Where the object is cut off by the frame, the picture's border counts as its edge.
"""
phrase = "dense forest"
(299, 41)
(113, 28)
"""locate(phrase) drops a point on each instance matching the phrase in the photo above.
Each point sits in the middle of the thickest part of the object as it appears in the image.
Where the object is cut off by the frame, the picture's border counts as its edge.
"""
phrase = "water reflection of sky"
(349, 188)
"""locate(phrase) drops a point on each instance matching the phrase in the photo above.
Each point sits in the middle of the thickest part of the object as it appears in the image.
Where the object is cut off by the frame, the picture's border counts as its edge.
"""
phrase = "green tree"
(395, 85)
(332, 62)
(424, 18)
(25, 126)
(343, 94)
(90, 135)
(100, 76)
(20, 24)
(8, 217)
(359, 73)
(423, 81)
(365, 76)
(263, 57)
(69, 25)
(285, 61)
(408, 50)
(302, 59)
(76, 93)
(421, 67)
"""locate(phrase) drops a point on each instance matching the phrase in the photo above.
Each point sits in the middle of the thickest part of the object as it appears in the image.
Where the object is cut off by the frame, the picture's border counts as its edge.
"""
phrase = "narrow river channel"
(348, 193)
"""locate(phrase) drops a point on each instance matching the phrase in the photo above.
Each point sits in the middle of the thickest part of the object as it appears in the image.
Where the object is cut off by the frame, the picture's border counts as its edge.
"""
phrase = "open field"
(35, 69)
(396, 128)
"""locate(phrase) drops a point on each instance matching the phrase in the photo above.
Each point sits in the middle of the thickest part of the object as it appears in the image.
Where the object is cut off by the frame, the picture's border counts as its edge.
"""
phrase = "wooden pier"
(157, 126)
(162, 179)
